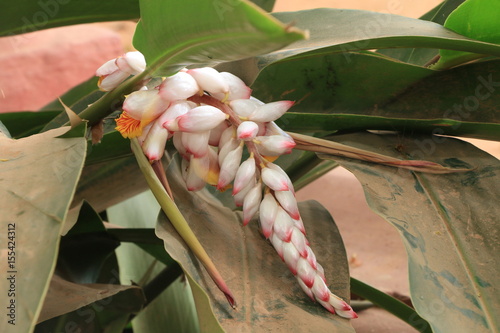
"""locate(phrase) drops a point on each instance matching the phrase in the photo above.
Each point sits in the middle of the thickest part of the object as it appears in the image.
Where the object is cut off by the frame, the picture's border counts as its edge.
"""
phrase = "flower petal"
(178, 86)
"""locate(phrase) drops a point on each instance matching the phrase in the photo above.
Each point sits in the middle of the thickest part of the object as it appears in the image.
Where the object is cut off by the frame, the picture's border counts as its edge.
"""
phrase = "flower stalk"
(212, 117)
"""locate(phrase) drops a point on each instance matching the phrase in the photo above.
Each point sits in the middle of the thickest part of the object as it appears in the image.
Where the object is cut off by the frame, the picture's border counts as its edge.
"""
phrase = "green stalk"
(390, 304)
(180, 224)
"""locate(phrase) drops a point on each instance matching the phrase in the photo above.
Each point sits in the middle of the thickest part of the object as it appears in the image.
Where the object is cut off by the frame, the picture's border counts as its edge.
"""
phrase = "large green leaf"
(339, 30)
(28, 16)
(174, 309)
(448, 223)
(267, 294)
(476, 19)
(21, 124)
(39, 176)
(108, 183)
(366, 91)
(424, 56)
(174, 34)
(64, 297)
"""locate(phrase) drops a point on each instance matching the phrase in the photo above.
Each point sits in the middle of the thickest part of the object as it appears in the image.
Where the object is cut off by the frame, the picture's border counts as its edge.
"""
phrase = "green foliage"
(60, 191)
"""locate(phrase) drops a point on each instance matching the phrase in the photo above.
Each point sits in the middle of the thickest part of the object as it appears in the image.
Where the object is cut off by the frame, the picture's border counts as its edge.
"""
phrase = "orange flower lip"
(128, 126)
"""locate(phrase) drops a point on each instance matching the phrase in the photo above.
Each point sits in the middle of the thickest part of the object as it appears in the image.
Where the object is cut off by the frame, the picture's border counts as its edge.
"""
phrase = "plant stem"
(390, 304)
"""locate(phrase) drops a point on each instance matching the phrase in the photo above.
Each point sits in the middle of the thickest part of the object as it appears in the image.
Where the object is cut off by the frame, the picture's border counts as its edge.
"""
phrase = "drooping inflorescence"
(211, 118)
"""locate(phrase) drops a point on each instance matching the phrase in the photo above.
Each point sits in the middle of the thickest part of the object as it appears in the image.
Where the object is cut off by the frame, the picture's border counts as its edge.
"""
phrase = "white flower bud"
(194, 182)
(274, 145)
(145, 105)
(229, 167)
(251, 203)
(247, 130)
(270, 111)
(176, 109)
(210, 80)
(178, 86)
(241, 195)
(216, 133)
(288, 202)
(283, 225)
(305, 272)
(237, 88)
(291, 256)
(267, 214)
(154, 144)
(132, 63)
(200, 119)
(244, 107)
(246, 171)
(196, 143)
(228, 147)
(274, 179)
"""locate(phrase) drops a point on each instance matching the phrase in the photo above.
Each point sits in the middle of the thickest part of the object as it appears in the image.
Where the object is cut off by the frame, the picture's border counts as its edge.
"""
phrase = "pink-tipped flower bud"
(247, 130)
(210, 80)
(280, 170)
(277, 244)
(132, 63)
(320, 290)
(305, 272)
(246, 171)
(270, 111)
(200, 119)
(274, 145)
(300, 242)
(283, 225)
(227, 148)
(154, 144)
(291, 256)
(176, 109)
(196, 143)
(274, 180)
(193, 181)
(144, 105)
(237, 88)
(229, 167)
(241, 195)
(226, 136)
(178, 86)
(244, 107)
(305, 288)
(110, 76)
(251, 203)
(288, 202)
(216, 133)
(267, 213)
(177, 141)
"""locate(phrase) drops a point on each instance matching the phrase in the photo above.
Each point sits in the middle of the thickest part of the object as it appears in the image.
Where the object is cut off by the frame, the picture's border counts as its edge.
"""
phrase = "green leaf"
(106, 184)
(22, 124)
(452, 241)
(267, 5)
(170, 38)
(39, 176)
(90, 307)
(477, 19)
(28, 16)
(390, 304)
(267, 294)
(342, 31)
(364, 91)
(65, 297)
(424, 56)
(174, 309)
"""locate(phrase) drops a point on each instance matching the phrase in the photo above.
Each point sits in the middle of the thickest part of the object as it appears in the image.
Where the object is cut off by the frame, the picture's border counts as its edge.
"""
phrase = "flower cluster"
(211, 117)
